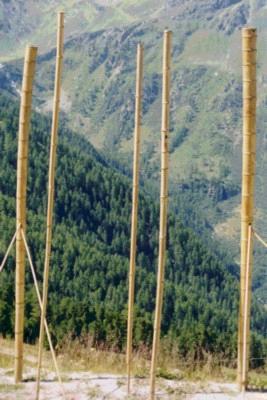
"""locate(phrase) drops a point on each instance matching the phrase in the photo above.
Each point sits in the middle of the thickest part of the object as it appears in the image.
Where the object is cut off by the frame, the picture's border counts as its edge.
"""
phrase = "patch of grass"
(94, 393)
(170, 375)
(30, 356)
(258, 379)
(120, 382)
(8, 388)
(6, 361)
(83, 357)
(207, 47)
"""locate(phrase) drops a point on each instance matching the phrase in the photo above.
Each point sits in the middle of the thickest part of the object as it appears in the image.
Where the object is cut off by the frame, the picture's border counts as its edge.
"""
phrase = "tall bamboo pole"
(137, 134)
(51, 184)
(249, 38)
(22, 166)
(163, 203)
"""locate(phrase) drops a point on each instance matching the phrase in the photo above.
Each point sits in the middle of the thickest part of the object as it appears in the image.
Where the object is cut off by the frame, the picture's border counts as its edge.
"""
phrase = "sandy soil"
(83, 386)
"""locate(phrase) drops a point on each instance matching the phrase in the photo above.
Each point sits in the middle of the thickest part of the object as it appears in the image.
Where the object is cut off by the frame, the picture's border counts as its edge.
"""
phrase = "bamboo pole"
(246, 310)
(137, 133)
(51, 184)
(163, 203)
(249, 37)
(22, 165)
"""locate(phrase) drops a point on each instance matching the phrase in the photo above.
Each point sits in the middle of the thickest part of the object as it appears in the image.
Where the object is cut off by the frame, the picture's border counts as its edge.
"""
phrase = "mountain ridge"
(19, 20)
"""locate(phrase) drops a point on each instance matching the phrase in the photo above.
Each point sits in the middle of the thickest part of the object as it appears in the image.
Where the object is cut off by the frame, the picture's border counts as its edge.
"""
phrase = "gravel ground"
(83, 386)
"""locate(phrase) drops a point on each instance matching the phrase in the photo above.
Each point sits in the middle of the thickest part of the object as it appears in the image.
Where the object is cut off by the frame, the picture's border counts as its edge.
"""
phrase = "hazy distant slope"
(22, 21)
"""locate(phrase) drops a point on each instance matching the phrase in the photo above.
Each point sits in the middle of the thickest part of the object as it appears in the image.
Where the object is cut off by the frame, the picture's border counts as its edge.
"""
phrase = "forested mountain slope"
(98, 93)
(88, 280)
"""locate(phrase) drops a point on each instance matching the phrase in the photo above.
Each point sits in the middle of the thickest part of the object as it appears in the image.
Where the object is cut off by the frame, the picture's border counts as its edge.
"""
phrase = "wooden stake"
(163, 203)
(249, 37)
(51, 184)
(22, 166)
(137, 133)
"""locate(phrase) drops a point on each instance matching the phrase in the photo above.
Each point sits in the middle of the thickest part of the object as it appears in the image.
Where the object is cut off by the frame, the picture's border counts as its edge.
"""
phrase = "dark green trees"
(89, 266)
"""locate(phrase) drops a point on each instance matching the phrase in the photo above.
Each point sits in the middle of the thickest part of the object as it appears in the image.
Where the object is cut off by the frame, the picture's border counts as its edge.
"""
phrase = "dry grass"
(258, 379)
(30, 356)
(75, 356)
(6, 362)
(79, 357)
(7, 388)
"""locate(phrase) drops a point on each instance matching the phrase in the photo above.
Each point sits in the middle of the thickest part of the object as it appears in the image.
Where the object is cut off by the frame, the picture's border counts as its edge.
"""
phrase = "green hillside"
(88, 281)
(98, 96)
(99, 77)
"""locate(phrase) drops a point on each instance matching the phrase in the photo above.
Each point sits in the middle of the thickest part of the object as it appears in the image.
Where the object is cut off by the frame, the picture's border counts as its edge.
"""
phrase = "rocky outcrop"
(233, 19)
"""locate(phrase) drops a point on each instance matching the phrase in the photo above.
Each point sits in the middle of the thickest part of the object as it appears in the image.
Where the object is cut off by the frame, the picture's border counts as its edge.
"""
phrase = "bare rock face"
(224, 15)
(260, 4)
(20, 20)
(204, 5)
(13, 15)
(206, 9)
(233, 19)
(218, 4)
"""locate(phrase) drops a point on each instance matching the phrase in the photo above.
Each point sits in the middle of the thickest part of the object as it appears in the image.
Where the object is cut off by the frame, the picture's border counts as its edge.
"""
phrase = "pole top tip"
(61, 15)
(249, 30)
(31, 48)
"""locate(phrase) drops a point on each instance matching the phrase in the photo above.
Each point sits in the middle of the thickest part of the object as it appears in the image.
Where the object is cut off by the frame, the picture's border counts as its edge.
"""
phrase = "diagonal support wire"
(245, 318)
(41, 307)
(259, 239)
(38, 296)
(251, 232)
(9, 249)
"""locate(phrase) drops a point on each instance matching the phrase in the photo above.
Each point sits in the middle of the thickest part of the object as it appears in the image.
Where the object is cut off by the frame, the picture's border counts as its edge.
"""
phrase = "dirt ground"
(83, 386)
